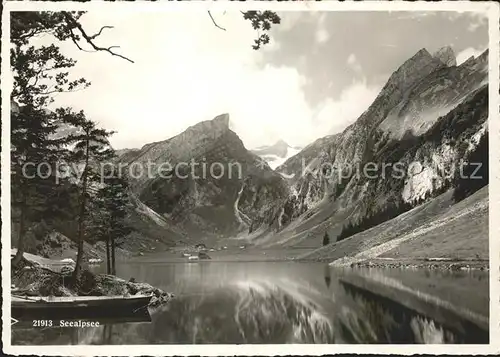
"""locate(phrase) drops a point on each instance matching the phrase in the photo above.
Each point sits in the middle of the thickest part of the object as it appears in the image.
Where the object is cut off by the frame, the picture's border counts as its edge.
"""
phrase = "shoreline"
(450, 264)
(446, 264)
(429, 264)
(37, 280)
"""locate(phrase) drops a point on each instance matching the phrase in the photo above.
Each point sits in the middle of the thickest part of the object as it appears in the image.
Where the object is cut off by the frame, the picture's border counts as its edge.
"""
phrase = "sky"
(320, 71)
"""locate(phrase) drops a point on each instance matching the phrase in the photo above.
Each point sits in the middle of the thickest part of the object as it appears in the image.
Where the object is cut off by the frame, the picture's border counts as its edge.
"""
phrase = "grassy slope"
(437, 229)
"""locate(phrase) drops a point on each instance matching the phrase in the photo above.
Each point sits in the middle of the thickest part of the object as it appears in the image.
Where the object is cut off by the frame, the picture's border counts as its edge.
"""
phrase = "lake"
(223, 302)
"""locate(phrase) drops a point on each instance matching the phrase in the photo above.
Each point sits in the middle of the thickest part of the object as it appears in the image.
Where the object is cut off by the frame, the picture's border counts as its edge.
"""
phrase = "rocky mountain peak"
(221, 120)
(412, 71)
(469, 61)
(480, 61)
(279, 148)
(216, 126)
(446, 55)
(281, 143)
(420, 59)
(421, 53)
(418, 66)
(483, 57)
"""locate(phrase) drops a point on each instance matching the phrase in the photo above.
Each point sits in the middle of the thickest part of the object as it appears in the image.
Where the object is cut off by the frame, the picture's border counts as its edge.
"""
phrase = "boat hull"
(90, 309)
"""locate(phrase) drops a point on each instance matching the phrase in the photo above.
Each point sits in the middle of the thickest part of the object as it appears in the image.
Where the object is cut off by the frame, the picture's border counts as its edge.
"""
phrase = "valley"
(223, 216)
(293, 209)
(288, 208)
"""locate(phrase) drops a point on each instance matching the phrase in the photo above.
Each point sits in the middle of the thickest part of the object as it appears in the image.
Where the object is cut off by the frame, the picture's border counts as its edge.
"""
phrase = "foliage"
(466, 115)
(459, 123)
(261, 21)
(110, 209)
(390, 211)
(474, 175)
(57, 191)
(35, 151)
(91, 149)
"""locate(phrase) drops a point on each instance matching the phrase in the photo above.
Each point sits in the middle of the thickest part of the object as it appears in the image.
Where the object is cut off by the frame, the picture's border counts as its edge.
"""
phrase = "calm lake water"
(293, 302)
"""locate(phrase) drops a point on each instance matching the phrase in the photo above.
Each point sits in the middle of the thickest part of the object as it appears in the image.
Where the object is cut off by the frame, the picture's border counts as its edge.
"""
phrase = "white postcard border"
(489, 8)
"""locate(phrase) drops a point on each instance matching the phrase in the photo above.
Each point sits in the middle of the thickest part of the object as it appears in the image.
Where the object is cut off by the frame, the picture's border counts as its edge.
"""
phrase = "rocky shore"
(33, 279)
(445, 264)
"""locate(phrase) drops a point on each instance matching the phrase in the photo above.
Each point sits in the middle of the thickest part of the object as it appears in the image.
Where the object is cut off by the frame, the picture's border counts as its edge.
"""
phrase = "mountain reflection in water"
(286, 302)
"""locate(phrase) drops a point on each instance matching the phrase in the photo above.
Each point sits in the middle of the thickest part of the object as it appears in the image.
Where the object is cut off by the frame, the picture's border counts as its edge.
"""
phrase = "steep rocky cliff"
(404, 148)
(205, 181)
(426, 118)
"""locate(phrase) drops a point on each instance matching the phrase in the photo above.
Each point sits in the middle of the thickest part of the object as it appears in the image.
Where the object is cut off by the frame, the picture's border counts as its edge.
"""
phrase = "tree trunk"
(113, 261)
(79, 255)
(20, 238)
(108, 258)
(81, 220)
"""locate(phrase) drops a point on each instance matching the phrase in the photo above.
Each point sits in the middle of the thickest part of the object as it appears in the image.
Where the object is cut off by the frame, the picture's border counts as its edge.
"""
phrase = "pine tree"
(91, 148)
(35, 152)
(326, 239)
(34, 158)
(111, 204)
(38, 73)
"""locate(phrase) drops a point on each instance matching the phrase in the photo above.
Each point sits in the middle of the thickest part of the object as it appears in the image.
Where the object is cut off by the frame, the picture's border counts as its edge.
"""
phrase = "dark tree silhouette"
(38, 73)
(473, 175)
(112, 202)
(91, 147)
(326, 239)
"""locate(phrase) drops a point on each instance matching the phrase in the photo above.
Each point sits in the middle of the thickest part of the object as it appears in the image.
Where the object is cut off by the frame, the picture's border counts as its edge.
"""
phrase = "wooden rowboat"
(83, 307)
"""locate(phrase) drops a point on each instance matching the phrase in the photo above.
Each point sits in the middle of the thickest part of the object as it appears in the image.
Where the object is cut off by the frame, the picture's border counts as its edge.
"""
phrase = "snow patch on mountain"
(275, 155)
(275, 161)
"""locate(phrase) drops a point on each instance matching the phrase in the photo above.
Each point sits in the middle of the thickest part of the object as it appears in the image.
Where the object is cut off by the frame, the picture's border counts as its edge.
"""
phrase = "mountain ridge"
(285, 205)
(206, 205)
(277, 153)
(363, 141)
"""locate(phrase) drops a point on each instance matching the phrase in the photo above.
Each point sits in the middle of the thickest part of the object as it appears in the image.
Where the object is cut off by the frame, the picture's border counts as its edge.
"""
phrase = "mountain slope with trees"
(57, 155)
(443, 108)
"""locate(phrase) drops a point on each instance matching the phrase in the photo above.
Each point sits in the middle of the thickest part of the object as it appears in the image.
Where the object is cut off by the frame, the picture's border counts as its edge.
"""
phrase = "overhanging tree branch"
(215, 23)
(73, 24)
(99, 33)
(261, 21)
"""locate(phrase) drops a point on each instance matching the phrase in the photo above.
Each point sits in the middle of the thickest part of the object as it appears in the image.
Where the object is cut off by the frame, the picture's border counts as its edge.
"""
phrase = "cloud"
(182, 77)
(300, 124)
(477, 21)
(464, 55)
(322, 35)
(186, 70)
(473, 26)
(333, 116)
(353, 62)
(291, 20)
